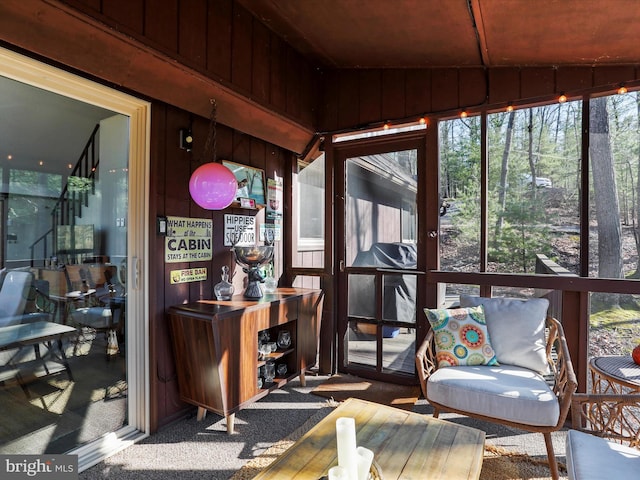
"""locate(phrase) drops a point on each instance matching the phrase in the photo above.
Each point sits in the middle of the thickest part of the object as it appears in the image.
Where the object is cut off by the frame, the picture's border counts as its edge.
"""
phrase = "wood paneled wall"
(354, 99)
(182, 53)
(221, 39)
(171, 168)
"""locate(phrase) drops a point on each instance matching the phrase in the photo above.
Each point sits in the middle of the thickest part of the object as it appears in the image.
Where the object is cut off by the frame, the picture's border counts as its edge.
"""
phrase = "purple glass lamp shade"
(213, 186)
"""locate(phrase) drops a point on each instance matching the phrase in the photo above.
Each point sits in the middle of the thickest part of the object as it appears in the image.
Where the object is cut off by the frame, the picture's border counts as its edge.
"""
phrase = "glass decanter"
(224, 289)
(270, 283)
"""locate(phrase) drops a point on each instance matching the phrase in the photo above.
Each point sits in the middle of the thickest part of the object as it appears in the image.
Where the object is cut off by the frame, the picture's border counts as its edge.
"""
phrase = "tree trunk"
(503, 177)
(636, 216)
(605, 193)
(532, 165)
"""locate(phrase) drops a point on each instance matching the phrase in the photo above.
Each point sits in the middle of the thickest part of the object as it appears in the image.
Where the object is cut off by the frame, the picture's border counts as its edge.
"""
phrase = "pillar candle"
(346, 442)
(338, 473)
(365, 458)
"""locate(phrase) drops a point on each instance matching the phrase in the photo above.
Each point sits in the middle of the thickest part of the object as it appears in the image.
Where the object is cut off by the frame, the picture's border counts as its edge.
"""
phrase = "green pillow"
(461, 336)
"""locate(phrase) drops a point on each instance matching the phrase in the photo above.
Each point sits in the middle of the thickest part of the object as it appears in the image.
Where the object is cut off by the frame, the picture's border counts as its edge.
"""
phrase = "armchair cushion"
(511, 393)
(516, 328)
(592, 458)
(461, 336)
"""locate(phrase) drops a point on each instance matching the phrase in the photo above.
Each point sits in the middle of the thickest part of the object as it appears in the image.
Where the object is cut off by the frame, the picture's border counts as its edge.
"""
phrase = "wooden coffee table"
(405, 445)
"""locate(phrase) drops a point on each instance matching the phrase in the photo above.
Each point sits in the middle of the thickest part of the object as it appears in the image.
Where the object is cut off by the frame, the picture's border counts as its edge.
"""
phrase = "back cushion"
(461, 337)
(516, 329)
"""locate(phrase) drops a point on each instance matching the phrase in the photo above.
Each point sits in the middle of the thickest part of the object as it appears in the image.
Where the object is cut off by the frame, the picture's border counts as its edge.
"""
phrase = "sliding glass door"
(70, 333)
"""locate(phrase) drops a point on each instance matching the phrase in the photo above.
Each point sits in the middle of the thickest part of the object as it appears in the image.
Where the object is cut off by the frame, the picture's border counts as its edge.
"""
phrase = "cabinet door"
(238, 336)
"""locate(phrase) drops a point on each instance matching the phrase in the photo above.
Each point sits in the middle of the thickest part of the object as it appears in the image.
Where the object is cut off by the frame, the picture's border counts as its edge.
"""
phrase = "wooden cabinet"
(215, 345)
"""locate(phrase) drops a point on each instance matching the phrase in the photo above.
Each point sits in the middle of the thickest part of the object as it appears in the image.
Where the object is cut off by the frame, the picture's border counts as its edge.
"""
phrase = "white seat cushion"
(594, 458)
(507, 392)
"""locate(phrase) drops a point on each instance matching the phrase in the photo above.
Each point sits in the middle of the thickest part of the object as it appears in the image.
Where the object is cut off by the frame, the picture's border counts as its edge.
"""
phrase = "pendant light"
(212, 185)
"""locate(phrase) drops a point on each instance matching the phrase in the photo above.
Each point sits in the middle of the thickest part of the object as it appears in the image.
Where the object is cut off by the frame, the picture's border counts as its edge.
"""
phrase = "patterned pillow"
(461, 337)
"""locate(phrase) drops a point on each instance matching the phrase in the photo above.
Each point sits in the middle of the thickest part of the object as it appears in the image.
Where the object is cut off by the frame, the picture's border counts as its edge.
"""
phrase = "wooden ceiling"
(445, 33)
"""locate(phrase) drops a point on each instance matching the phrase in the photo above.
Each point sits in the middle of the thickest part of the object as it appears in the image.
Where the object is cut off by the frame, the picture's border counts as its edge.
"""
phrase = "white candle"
(338, 473)
(365, 459)
(346, 441)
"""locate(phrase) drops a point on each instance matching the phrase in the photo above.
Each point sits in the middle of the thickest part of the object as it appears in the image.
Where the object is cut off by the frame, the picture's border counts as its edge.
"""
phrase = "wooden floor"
(59, 414)
(398, 354)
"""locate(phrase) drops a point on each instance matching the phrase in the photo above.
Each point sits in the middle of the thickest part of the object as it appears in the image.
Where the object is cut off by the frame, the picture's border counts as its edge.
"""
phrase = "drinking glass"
(284, 339)
(269, 371)
(264, 349)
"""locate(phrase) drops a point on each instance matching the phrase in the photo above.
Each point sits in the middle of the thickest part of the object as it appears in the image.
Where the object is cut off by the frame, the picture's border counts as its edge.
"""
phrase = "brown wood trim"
(446, 91)
(549, 282)
(82, 43)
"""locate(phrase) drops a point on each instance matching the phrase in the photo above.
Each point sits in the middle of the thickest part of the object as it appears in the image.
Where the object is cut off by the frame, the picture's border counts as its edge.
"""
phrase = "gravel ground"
(613, 341)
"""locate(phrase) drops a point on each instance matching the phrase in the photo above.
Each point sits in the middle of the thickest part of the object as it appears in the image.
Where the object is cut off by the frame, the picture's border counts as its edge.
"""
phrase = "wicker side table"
(613, 407)
(614, 374)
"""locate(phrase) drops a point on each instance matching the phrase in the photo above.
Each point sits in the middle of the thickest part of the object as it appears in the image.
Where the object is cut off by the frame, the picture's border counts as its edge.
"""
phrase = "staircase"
(74, 196)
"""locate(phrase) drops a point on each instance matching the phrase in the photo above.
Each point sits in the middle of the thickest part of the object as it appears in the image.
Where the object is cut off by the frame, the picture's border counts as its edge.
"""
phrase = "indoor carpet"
(498, 463)
(340, 387)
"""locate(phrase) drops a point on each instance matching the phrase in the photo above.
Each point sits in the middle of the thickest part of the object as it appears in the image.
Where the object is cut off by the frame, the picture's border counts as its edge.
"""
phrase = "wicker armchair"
(561, 384)
(605, 436)
(612, 416)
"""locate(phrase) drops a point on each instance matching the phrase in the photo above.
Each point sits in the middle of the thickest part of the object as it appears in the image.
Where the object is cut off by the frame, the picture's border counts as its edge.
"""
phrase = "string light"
(562, 98)
(463, 114)
(423, 121)
(622, 90)
(509, 108)
(387, 125)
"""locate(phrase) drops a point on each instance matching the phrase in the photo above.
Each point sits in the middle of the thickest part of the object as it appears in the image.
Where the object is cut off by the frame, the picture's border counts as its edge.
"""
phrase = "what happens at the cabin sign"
(188, 240)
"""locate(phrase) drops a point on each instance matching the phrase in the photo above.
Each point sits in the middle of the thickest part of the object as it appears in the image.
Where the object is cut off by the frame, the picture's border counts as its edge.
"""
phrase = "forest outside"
(526, 217)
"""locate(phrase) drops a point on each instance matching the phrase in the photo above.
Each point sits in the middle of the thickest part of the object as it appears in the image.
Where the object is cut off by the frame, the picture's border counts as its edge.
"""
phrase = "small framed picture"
(251, 183)
(247, 202)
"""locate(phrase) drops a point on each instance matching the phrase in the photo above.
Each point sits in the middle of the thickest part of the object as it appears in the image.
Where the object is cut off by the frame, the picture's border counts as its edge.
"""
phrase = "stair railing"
(72, 198)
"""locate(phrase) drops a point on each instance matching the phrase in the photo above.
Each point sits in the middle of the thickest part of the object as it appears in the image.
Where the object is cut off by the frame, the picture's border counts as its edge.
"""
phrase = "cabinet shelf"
(213, 341)
(278, 382)
(275, 356)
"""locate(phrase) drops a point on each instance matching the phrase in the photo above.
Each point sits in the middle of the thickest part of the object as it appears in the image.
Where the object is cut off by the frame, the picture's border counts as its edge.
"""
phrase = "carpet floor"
(190, 449)
(341, 386)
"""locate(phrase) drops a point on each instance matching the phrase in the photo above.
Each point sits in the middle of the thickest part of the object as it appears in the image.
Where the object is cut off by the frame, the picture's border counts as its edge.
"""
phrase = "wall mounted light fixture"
(186, 139)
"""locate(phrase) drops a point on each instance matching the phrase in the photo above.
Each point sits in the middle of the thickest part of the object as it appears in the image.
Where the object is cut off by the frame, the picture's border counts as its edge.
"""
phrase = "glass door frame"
(370, 146)
(37, 74)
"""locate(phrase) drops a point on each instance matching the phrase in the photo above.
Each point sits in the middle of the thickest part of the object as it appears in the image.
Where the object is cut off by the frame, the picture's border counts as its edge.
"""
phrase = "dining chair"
(14, 294)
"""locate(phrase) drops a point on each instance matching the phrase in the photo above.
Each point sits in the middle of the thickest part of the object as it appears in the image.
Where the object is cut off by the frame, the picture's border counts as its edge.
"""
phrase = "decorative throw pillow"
(461, 337)
(516, 328)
